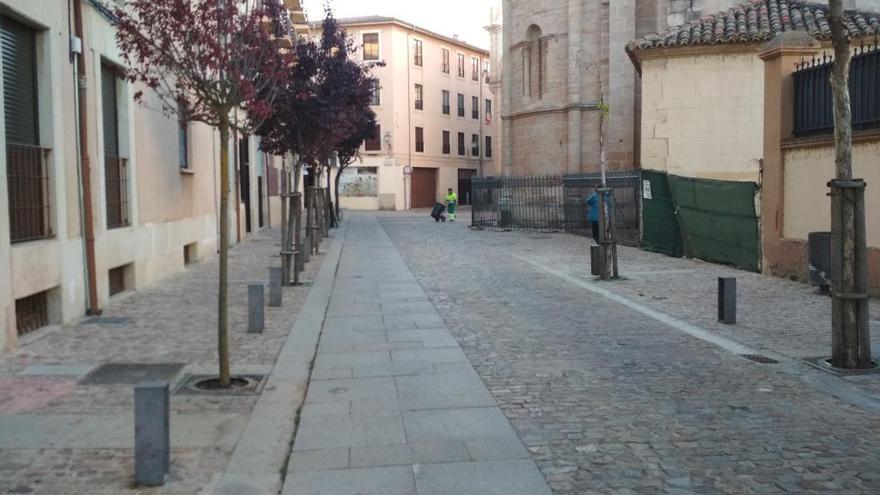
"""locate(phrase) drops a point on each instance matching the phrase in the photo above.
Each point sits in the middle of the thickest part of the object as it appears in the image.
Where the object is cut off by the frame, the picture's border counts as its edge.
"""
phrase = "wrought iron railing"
(31, 313)
(813, 110)
(556, 203)
(116, 193)
(29, 188)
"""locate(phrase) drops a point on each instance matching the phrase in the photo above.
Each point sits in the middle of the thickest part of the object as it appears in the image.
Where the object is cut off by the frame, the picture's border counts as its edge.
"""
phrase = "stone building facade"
(435, 113)
(154, 181)
(558, 59)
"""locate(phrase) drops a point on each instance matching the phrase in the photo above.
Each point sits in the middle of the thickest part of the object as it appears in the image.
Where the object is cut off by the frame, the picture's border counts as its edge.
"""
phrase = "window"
(486, 70)
(461, 65)
(446, 142)
(445, 102)
(27, 170)
(461, 143)
(420, 101)
(475, 145)
(31, 312)
(533, 63)
(475, 69)
(374, 143)
(444, 55)
(488, 108)
(417, 52)
(488, 146)
(420, 140)
(371, 46)
(475, 107)
(460, 105)
(377, 93)
(115, 166)
(183, 137)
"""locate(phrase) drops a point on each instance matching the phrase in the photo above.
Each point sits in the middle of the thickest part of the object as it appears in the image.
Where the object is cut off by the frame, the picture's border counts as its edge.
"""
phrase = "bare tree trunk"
(336, 187)
(851, 347)
(607, 243)
(223, 286)
(285, 230)
(299, 263)
(331, 212)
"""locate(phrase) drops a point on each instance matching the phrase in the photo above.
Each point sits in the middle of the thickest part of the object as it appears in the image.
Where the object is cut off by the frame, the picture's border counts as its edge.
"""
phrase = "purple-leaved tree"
(211, 61)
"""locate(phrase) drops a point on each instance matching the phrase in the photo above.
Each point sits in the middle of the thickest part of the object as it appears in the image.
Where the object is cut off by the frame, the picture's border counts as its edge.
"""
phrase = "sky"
(465, 18)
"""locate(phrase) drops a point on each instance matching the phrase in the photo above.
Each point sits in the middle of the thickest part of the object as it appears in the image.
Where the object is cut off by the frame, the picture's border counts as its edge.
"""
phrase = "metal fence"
(813, 111)
(556, 203)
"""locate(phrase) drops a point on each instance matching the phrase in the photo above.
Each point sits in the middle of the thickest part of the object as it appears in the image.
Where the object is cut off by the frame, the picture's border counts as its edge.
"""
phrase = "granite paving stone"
(392, 394)
(606, 399)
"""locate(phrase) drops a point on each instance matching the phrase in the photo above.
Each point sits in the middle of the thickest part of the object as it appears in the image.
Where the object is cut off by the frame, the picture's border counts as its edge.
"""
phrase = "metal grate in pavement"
(131, 373)
(758, 358)
(107, 320)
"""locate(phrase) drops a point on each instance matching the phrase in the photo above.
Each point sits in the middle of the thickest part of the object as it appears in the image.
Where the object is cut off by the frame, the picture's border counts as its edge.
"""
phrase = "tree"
(325, 106)
(347, 87)
(206, 60)
(851, 345)
(348, 151)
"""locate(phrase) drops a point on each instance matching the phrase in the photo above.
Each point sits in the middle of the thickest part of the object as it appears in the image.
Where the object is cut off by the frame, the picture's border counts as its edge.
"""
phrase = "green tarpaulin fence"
(660, 230)
(716, 220)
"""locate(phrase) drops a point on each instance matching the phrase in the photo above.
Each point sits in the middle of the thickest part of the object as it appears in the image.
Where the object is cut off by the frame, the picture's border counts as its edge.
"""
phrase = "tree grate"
(187, 386)
(758, 358)
(824, 363)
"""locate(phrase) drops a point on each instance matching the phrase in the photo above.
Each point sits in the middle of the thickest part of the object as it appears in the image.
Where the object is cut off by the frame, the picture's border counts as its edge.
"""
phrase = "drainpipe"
(82, 126)
(409, 105)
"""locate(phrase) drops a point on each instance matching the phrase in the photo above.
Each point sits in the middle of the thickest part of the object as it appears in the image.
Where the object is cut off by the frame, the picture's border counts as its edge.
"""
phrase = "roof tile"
(758, 21)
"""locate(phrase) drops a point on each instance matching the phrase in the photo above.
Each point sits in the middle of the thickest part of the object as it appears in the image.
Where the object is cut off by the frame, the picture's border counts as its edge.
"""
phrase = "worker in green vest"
(451, 203)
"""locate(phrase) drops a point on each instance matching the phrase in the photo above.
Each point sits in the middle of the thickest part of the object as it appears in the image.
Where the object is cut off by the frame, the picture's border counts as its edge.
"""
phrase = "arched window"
(533, 63)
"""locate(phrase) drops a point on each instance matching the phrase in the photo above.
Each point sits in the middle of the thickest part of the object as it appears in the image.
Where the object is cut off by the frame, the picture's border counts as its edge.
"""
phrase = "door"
(424, 187)
(464, 185)
(244, 180)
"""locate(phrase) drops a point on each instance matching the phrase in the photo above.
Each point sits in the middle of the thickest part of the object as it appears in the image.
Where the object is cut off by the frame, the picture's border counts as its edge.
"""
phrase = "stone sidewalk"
(394, 407)
(63, 431)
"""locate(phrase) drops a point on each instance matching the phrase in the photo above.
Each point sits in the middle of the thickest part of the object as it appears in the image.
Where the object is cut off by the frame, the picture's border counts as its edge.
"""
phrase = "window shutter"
(19, 82)
(111, 114)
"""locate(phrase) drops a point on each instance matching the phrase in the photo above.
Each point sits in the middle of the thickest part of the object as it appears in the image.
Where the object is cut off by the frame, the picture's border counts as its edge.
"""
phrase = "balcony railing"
(116, 183)
(28, 181)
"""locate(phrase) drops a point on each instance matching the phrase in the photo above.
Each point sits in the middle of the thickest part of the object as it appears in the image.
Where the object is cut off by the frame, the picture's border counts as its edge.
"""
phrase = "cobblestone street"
(610, 400)
(59, 435)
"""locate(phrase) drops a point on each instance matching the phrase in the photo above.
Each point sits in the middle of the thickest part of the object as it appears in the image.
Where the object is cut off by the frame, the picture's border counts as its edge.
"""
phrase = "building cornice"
(384, 21)
(594, 105)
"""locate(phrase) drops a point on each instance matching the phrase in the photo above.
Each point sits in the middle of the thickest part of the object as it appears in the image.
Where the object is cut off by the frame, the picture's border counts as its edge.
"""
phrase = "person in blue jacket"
(593, 214)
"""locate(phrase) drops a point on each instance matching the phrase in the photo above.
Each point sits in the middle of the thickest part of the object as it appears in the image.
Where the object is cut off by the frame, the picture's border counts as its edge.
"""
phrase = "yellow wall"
(807, 171)
(702, 116)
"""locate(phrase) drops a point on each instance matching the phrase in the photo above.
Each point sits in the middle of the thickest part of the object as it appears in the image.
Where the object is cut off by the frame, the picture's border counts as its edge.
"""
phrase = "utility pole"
(850, 335)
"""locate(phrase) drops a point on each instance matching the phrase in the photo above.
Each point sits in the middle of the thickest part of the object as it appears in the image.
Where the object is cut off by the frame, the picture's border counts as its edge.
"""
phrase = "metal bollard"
(275, 275)
(152, 433)
(256, 320)
(595, 260)
(727, 300)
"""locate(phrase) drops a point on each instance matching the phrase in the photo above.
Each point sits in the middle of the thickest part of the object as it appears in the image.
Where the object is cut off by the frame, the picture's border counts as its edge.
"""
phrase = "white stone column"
(575, 133)
(507, 81)
(621, 84)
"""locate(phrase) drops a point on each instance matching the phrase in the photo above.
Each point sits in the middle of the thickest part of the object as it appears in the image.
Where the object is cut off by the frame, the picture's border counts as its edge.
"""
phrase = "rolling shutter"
(18, 45)
(111, 114)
